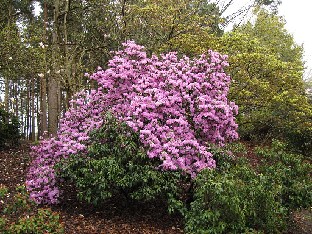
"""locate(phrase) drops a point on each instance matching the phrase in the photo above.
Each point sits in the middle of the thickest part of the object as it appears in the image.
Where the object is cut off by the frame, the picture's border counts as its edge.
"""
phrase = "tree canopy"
(45, 56)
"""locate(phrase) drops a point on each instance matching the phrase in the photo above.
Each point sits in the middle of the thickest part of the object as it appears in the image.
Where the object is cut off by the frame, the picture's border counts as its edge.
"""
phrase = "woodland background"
(45, 54)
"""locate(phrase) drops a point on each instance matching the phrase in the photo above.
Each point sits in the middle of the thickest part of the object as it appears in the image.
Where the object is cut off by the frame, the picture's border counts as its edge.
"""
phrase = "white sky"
(298, 16)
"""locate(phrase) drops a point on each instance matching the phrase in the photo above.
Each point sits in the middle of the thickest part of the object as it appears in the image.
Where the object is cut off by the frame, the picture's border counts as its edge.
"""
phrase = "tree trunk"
(28, 122)
(43, 85)
(16, 99)
(43, 107)
(6, 96)
(54, 78)
(38, 109)
(33, 119)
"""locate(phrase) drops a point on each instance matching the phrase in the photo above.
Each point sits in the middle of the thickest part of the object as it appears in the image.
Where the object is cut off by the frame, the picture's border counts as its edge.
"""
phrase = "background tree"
(155, 23)
(15, 53)
(308, 86)
(47, 55)
(267, 71)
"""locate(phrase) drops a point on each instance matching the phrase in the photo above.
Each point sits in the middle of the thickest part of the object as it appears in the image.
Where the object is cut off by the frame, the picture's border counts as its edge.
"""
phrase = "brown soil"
(111, 217)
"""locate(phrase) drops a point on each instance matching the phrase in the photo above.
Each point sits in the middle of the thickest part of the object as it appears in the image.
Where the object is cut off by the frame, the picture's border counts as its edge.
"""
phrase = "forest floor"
(113, 216)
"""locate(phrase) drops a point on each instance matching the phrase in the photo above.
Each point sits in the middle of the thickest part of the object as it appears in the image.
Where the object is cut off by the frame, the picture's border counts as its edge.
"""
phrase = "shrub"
(116, 163)
(235, 201)
(176, 105)
(291, 172)
(300, 140)
(20, 203)
(3, 190)
(9, 129)
(238, 198)
(40, 222)
(45, 221)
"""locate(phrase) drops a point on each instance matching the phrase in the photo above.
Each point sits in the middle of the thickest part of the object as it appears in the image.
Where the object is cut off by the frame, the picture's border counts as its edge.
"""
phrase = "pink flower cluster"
(177, 105)
(84, 115)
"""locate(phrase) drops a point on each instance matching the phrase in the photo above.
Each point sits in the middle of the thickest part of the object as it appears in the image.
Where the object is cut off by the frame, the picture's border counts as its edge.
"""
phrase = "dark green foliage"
(237, 198)
(42, 221)
(301, 140)
(9, 129)
(289, 171)
(235, 201)
(20, 203)
(116, 163)
(45, 221)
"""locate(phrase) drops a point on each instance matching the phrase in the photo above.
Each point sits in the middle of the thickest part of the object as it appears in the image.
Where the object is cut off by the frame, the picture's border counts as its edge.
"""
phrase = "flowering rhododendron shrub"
(177, 105)
(116, 165)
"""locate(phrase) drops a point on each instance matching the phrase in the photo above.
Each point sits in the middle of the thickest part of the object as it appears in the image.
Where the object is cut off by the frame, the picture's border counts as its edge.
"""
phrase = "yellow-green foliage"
(153, 23)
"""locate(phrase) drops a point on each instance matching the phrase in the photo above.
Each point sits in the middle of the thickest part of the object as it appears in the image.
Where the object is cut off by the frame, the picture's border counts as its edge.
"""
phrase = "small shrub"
(289, 171)
(3, 222)
(235, 201)
(45, 221)
(226, 156)
(3, 190)
(116, 163)
(9, 129)
(42, 222)
(20, 204)
(301, 141)
(238, 198)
